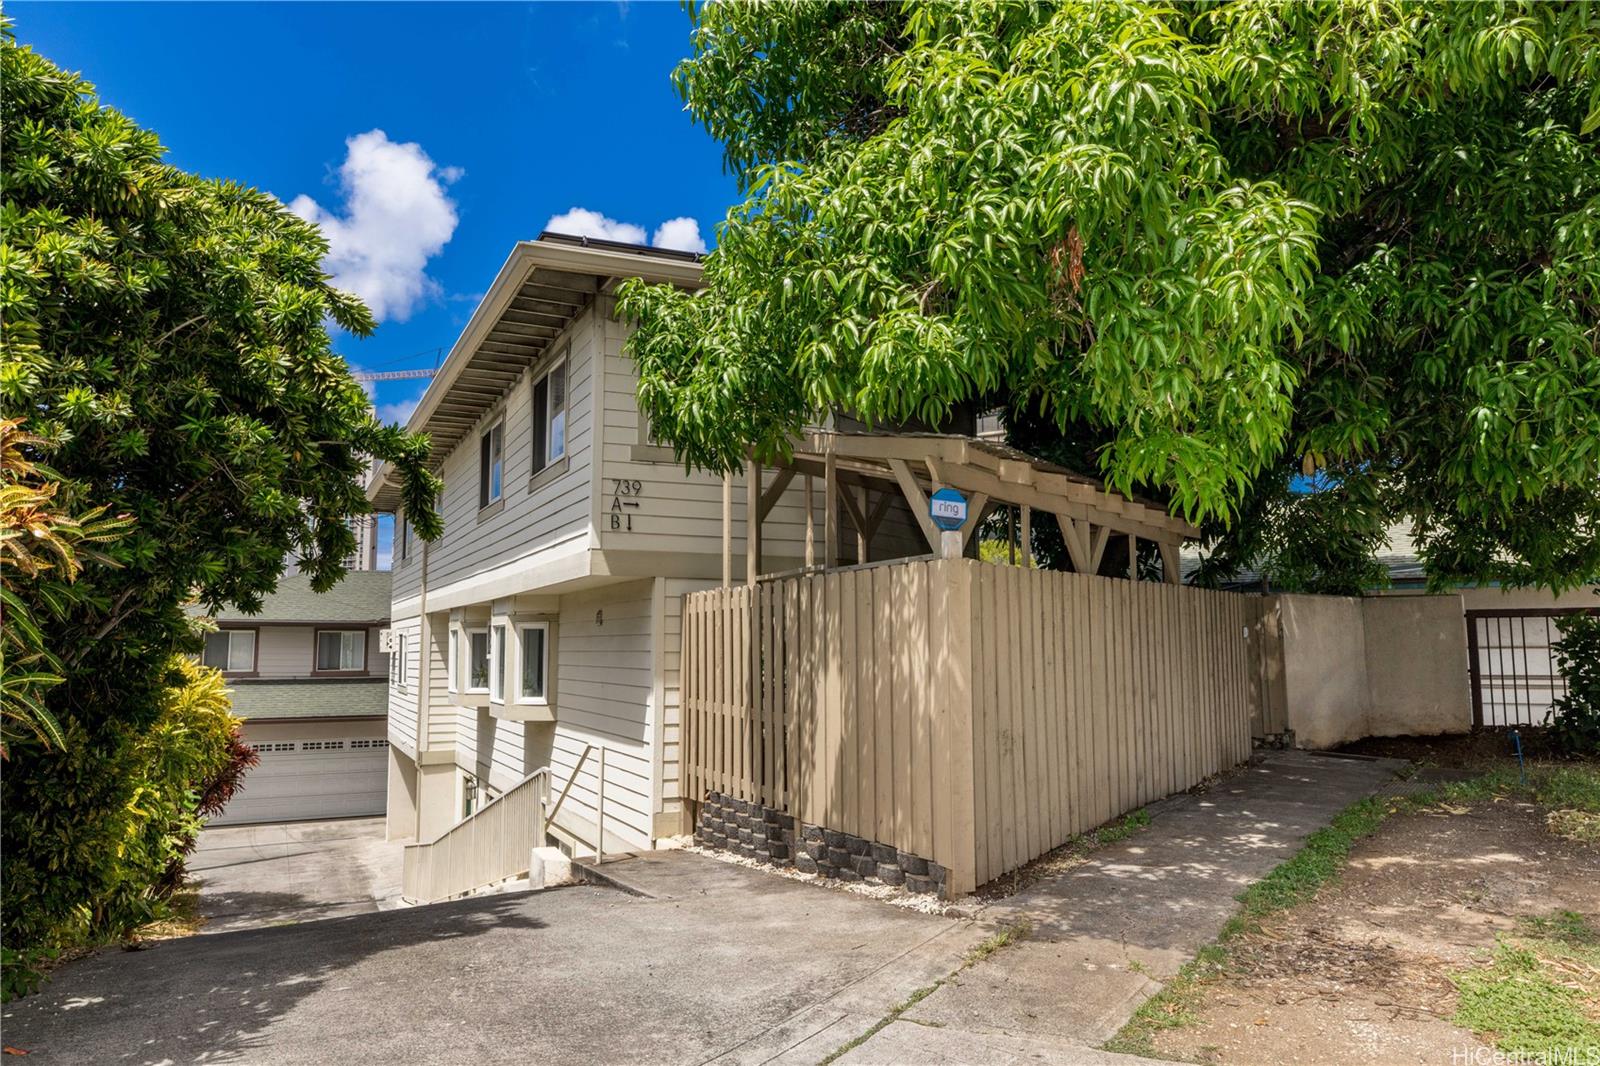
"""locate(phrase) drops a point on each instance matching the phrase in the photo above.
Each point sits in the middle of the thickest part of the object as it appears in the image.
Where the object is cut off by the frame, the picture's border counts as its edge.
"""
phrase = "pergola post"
(727, 530)
(1171, 573)
(811, 528)
(1133, 557)
(830, 511)
(1026, 538)
(752, 522)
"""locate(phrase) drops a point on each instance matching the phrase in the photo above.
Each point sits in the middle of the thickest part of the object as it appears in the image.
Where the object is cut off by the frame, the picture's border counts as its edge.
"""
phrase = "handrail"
(550, 815)
(543, 771)
(493, 843)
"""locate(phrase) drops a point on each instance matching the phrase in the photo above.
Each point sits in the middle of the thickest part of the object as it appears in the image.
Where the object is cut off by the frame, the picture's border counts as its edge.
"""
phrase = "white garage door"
(298, 780)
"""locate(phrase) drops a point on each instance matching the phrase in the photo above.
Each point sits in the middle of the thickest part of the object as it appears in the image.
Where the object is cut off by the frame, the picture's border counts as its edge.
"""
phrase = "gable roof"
(362, 596)
(544, 286)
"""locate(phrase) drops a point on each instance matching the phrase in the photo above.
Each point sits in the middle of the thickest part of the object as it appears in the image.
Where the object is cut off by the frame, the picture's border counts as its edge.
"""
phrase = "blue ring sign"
(948, 509)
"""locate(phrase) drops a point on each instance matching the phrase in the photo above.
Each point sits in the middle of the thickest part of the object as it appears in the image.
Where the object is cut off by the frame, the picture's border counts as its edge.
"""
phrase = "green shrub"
(92, 842)
(1574, 719)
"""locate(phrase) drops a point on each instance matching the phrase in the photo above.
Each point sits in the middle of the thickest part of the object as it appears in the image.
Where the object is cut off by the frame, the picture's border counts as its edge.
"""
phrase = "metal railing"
(494, 843)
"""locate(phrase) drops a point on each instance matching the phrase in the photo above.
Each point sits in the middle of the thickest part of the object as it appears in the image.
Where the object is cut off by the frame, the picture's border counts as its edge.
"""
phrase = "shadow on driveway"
(213, 999)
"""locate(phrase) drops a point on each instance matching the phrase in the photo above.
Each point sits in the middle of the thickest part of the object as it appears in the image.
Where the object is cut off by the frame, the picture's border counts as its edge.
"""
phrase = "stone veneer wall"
(768, 835)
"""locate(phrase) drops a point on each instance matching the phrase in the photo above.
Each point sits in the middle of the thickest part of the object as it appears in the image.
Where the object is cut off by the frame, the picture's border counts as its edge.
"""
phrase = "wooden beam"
(879, 509)
(770, 498)
(727, 530)
(752, 521)
(811, 528)
(917, 500)
(830, 512)
(975, 505)
(1097, 548)
(1072, 533)
(1171, 572)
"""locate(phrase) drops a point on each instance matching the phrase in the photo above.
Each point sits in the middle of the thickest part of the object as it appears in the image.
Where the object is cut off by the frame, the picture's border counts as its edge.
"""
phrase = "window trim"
(404, 535)
(499, 656)
(466, 650)
(542, 422)
(485, 481)
(400, 660)
(316, 651)
(452, 649)
(521, 697)
(255, 650)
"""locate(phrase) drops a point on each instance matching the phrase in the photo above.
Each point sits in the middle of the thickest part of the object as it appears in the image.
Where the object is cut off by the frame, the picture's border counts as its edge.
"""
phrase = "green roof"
(321, 698)
(363, 596)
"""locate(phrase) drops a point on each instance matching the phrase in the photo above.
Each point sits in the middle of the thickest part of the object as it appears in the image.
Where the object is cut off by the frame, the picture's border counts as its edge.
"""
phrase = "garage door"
(298, 780)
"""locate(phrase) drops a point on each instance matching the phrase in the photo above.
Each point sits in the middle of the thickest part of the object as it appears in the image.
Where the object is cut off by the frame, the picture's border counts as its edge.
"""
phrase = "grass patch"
(1530, 1000)
(1011, 934)
(1564, 941)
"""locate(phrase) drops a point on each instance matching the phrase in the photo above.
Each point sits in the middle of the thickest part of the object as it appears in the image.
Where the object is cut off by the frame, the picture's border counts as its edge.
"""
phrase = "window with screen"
(491, 464)
(550, 416)
(342, 650)
(232, 651)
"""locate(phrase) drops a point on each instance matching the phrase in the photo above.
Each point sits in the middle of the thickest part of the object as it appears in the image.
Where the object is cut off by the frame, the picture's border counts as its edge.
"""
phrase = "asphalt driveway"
(724, 964)
(255, 875)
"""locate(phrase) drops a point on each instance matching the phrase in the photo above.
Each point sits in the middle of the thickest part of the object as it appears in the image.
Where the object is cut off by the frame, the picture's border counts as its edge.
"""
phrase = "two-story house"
(545, 621)
(308, 676)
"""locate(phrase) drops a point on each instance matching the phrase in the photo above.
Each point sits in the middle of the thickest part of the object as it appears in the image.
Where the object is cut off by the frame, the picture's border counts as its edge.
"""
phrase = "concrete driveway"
(725, 964)
(254, 875)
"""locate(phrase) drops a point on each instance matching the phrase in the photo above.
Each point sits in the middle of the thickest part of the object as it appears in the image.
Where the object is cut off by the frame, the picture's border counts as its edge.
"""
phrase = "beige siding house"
(309, 676)
(545, 622)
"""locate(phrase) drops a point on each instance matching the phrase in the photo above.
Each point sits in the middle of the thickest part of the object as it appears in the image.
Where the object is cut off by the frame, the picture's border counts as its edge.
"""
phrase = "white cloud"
(399, 411)
(396, 217)
(680, 233)
(581, 222)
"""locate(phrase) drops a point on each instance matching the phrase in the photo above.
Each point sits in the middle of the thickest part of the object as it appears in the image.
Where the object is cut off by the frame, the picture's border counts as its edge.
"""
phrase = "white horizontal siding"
(403, 701)
(603, 685)
(526, 521)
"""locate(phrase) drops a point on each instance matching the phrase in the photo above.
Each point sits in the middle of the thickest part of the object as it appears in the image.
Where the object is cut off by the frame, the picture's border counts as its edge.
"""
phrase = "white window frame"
(231, 633)
(400, 663)
(466, 650)
(450, 666)
(405, 535)
(499, 638)
(543, 698)
(544, 422)
(488, 493)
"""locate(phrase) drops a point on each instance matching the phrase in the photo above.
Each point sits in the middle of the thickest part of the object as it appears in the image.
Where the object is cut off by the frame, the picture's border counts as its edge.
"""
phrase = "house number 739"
(622, 507)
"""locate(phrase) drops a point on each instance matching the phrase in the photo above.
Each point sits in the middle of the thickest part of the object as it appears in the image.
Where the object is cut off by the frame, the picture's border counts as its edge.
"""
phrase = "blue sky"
(495, 118)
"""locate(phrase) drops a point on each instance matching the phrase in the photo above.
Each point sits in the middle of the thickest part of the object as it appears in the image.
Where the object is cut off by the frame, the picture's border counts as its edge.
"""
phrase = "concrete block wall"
(1376, 666)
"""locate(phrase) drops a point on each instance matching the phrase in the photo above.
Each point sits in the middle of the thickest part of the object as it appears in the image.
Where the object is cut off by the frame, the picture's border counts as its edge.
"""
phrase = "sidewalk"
(1107, 932)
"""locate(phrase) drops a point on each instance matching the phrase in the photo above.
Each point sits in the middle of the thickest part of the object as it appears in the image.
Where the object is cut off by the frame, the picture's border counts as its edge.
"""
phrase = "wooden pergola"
(989, 474)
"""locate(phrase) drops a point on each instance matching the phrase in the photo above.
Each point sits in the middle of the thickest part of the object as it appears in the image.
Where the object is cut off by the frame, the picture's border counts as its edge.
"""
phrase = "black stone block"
(864, 865)
(885, 853)
(834, 838)
(838, 856)
(891, 874)
(913, 864)
(805, 864)
(857, 846)
(919, 885)
(779, 852)
(847, 874)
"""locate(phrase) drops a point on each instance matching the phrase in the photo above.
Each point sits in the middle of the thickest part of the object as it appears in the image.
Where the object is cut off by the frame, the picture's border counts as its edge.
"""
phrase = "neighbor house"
(310, 678)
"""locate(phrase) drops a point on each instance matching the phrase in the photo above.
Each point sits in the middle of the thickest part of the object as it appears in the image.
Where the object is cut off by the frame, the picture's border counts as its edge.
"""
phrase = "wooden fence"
(975, 715)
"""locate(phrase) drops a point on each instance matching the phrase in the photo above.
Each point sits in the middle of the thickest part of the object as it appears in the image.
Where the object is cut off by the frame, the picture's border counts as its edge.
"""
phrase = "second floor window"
(491, 464)
(550, 416)
(342, 650)
(405, 536)
(233, 651)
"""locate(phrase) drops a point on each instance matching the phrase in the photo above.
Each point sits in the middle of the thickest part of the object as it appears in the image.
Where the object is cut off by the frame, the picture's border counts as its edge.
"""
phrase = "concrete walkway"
(1107, 932)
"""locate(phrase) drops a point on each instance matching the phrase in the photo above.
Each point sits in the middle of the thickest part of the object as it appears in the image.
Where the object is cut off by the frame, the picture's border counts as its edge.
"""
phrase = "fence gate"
(1515, 675)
